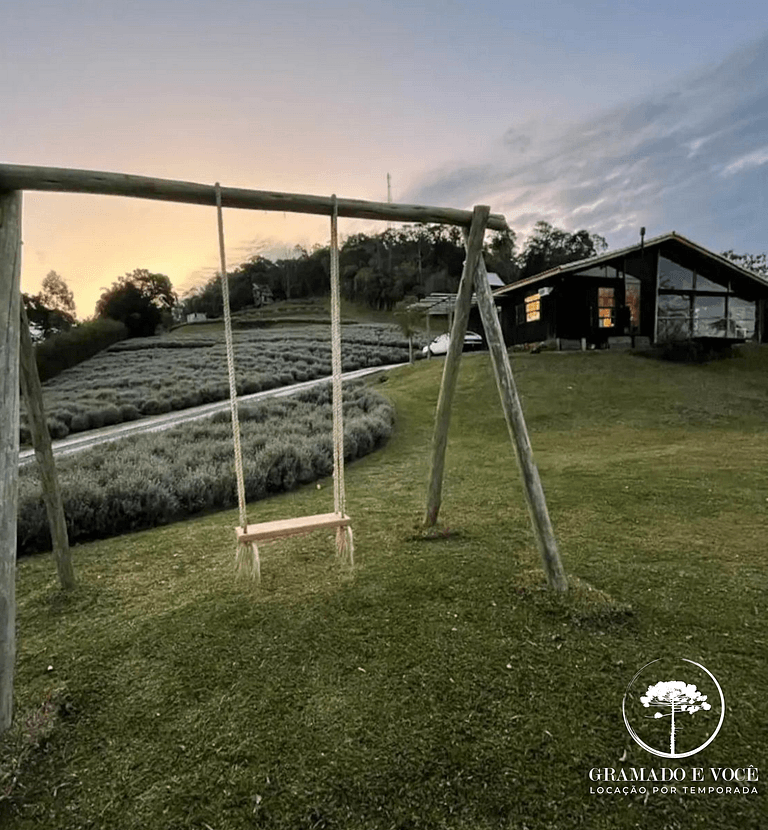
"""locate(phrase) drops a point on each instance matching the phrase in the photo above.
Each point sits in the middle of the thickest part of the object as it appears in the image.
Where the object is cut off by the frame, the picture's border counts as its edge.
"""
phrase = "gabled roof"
(609, 255)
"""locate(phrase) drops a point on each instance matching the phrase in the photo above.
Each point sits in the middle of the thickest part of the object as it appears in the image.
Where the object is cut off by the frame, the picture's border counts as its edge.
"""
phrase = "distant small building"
(667, 288)
(494, 280)
(197, 317)
(262, 295)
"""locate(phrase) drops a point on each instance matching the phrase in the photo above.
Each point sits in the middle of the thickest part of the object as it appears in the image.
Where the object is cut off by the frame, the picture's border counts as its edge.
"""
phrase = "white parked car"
(472, 342)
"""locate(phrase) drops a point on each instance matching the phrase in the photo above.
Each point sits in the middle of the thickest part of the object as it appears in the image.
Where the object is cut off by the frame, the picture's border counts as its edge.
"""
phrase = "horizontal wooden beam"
(64, 180)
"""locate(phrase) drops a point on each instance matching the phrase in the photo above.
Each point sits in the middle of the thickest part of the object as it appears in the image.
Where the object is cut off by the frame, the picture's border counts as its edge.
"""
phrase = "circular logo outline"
(636, 738)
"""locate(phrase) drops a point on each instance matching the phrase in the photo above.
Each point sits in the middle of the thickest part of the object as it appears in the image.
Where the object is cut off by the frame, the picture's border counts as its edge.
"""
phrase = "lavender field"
(150, 376)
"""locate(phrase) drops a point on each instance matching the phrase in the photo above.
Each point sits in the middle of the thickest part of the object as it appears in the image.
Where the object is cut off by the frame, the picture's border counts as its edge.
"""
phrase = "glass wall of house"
(691, 304)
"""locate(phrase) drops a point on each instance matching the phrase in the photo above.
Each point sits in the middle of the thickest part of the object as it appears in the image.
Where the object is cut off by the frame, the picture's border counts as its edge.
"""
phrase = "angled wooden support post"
(518, 432)
(41, 441)
(474, 245)
(10, 269)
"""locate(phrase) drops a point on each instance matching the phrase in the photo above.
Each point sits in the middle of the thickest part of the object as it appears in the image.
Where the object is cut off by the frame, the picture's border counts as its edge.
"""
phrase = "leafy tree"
(409, 321)
(156, 287)
(43, 321)
(138, 300)
(52, 310)
(548, 247)
(676, 696)
(56, 294)
(256, 271)
(499, 255)
(757, 263)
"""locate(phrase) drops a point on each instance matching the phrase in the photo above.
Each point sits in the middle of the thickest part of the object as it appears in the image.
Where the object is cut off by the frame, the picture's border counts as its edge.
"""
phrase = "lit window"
(606, 308)
(532, 308)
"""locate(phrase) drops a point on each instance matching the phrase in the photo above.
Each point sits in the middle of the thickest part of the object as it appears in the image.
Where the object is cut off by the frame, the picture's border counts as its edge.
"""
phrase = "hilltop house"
(666, 288)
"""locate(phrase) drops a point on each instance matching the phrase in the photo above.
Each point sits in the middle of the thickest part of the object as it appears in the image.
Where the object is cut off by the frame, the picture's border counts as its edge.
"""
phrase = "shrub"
(693, 351)
(57, 428)
(154, 406)
(64, 415)
(110, 415)
(68, 348)
(80, 422)
(157, 478)
(250, 386)
(128, 412)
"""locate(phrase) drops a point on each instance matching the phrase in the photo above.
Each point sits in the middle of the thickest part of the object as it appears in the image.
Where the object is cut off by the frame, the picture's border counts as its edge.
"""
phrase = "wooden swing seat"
(291, 527)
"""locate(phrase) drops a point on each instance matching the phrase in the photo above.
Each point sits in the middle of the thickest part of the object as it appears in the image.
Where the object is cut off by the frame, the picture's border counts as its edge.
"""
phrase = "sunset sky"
(599, 114)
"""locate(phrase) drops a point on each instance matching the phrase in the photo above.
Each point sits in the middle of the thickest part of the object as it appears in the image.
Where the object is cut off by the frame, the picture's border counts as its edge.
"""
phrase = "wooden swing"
(247, 556)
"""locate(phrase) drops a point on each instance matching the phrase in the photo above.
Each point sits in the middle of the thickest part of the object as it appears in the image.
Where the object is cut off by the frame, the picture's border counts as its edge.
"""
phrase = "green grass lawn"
(437, 686)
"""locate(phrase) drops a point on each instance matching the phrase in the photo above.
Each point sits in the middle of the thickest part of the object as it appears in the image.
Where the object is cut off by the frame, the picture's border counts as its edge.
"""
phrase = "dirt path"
(155, 423)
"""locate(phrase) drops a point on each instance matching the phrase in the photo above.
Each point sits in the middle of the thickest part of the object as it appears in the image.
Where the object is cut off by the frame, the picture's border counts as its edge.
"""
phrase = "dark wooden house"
(667, 288)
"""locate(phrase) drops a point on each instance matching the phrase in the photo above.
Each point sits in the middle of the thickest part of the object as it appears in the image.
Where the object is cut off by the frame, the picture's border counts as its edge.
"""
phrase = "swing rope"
(243, 554)
(338, 424)
(344, 539)
(247, 556)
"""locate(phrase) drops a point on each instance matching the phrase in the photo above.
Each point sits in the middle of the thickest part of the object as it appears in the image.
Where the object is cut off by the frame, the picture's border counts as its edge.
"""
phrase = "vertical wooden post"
(41, 441)
(655, 299)
(10, 269)
(451, 368)
(518, 432)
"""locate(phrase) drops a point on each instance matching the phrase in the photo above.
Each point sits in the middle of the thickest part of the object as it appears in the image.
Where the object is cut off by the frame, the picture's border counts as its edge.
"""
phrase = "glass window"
(741, 318)
(532, 308)
(673, 276)
(674, 317)
(606, 308)
(603, 271)
(704, 284)
(708, 316)
(632, 300)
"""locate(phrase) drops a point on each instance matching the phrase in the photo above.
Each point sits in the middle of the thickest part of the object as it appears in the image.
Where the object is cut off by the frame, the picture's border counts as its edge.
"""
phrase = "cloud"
(754, 159)
(692, 157)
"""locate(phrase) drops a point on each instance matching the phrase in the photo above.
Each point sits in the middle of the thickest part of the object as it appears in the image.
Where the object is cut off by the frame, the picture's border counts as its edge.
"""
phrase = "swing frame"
(14, 179)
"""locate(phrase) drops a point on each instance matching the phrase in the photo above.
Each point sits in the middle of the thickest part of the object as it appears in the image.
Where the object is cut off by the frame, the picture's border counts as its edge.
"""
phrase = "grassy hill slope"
(437, 686)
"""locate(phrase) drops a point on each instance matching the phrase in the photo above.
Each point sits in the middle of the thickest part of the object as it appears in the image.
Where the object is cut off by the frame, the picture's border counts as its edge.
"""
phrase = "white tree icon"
(678, 697)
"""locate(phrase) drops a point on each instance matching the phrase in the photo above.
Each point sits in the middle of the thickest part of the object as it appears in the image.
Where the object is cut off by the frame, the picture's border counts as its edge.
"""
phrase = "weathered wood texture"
(291, 527)
(518, 432)
(24, 177)
(41, 441)
(452, 359)
(10, 297)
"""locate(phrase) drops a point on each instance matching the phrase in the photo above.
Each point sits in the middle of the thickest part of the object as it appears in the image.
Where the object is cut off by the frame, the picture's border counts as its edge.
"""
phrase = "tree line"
(384, 269)
(379, 270)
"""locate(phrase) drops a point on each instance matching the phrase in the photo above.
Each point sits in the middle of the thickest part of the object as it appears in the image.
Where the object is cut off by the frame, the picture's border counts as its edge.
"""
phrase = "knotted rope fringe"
(247, 555)
(344, 540)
